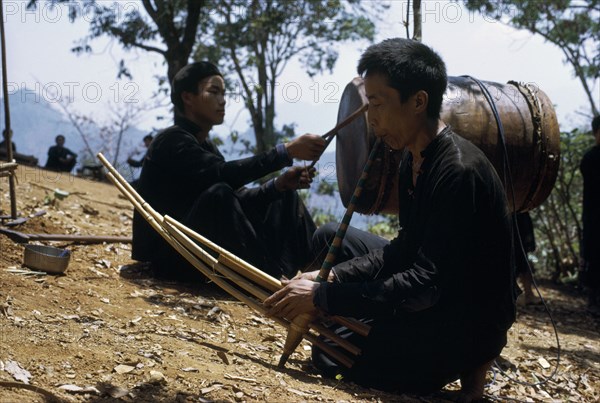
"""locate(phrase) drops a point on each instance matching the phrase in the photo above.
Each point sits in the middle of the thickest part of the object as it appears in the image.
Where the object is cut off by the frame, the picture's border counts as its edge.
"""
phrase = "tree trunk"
(417, 22)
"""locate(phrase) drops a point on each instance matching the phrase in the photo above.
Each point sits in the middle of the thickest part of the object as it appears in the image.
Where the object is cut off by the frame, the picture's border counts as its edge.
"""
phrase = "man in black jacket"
(590, 242)
(440, 297)
(60, 158)
(185, 176)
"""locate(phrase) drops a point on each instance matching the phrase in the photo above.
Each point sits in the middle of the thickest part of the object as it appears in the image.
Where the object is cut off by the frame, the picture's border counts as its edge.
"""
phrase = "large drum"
(530, 128)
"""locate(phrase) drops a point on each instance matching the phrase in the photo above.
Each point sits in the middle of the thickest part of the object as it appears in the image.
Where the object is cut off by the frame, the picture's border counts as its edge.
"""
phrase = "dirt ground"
(106, 331)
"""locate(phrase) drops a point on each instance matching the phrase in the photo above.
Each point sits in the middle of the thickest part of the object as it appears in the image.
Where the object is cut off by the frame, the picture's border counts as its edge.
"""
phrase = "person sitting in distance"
(60, 158)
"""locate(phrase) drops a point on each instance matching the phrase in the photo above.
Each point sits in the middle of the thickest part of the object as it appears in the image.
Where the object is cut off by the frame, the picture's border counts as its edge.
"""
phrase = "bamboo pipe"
(343, 227)
(331, 133)
(299, 324)
(153, 219)
(243, 267)
(248, 286)
(246, 269)
(234, 292)
(205, 270)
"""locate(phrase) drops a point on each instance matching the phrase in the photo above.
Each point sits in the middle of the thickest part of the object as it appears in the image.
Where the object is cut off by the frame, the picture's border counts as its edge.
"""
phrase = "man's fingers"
(275, 297)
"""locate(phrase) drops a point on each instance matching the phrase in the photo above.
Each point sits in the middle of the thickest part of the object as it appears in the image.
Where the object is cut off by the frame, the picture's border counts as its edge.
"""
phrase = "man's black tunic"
(190, 181)
(441, 295)
(590, 169)
(55, 154)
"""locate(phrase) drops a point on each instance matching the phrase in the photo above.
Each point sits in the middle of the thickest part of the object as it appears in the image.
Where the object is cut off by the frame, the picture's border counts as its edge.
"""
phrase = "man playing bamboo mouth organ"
(186, 177)
(441, 296)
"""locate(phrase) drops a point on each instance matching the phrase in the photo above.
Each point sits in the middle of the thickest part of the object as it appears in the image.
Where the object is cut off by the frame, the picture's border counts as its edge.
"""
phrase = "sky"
(40, 62)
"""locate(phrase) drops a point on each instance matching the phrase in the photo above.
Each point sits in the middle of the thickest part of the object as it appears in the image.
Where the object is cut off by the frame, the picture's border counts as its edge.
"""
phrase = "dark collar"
(187, 125)
(436, 142)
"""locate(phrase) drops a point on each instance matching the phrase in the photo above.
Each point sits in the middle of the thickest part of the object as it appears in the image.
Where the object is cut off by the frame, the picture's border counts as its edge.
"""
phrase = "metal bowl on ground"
(46, 258)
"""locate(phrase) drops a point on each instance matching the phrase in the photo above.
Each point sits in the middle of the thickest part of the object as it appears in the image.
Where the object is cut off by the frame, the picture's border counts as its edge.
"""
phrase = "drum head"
(353, 142)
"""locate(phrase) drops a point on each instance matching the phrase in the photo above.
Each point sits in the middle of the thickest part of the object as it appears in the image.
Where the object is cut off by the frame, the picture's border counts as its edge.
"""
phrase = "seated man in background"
(4, 143)
(590, 241)
(60, 158)
(138, 163)
(185, 176)
(441, 296)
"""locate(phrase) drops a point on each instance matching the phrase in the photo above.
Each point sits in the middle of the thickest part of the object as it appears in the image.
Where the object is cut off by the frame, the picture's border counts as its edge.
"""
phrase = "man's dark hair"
(148, 137)
(409, 67)
(595, 124)
(187, 79)
(59, 136)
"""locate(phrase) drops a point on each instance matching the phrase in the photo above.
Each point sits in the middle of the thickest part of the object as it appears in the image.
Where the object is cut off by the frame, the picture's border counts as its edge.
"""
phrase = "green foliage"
(328, 188)
(572, 25)
(321, 216)
(557, 220)
(254, 40)
(386, 229)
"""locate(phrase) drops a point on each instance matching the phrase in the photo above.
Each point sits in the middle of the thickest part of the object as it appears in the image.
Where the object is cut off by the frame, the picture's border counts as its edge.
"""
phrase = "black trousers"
(275, 237)
(356, 242)
(404, 352)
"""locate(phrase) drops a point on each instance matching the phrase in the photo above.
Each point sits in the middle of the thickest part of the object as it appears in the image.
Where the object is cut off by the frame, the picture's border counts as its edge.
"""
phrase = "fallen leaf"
(18, 372)
(123, 369)
(157, 377)
(212, 388)
(239, 378)
(300, 393)
(545, 364)
(99, 273)
(79, 389)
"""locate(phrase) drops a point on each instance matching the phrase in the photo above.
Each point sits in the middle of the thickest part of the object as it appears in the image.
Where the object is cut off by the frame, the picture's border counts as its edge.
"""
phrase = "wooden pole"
(21, 237)
(9, 150)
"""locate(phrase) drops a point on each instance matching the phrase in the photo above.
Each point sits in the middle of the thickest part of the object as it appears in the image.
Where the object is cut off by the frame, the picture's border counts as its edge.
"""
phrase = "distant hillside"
(36, 122)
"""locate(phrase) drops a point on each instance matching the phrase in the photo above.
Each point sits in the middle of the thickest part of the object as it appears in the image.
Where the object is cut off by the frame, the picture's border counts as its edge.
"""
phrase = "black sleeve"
(416, 286)
(260, 195)
(202, 165)
(52, 153)
(135, 163)
(67, 152)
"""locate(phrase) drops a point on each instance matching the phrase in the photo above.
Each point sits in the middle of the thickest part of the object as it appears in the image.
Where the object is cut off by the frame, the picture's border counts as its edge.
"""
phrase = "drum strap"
(507, 174)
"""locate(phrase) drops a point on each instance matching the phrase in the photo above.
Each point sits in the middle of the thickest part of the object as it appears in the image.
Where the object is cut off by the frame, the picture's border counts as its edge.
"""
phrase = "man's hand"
(308, 147)
(296, 177)
(294, 299)
(309, 275)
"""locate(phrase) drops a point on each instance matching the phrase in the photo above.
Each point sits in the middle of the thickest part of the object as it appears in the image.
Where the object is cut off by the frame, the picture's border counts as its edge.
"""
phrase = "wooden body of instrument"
(531, 132)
